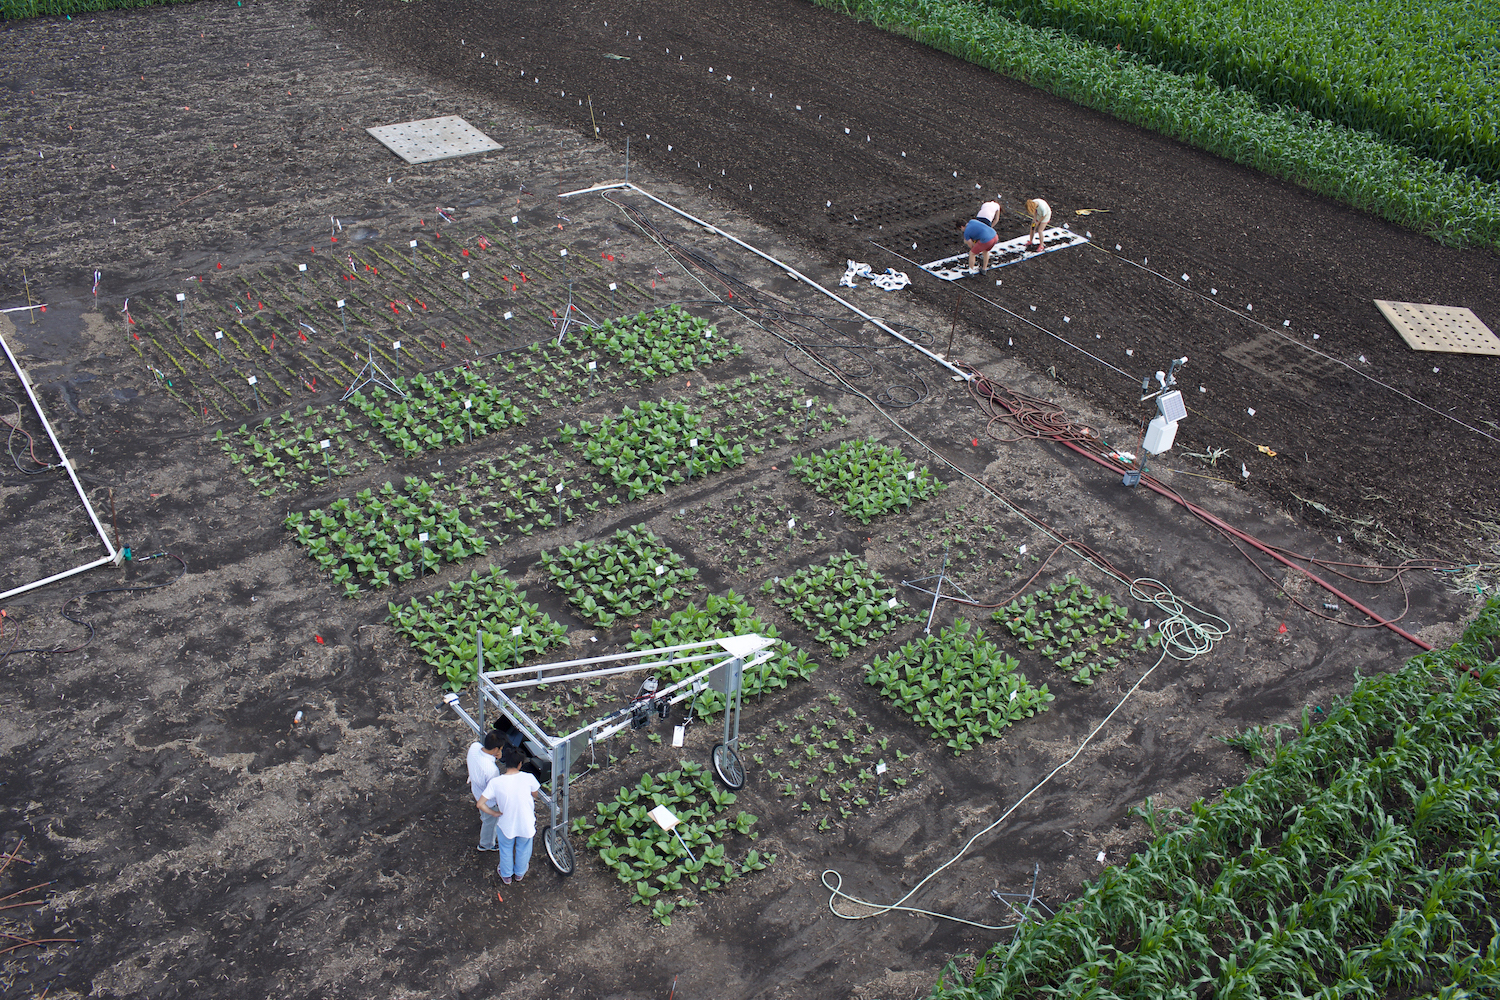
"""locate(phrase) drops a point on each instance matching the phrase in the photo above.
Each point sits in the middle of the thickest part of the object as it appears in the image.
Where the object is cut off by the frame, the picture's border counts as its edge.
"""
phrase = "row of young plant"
(1079, 630)
(962, 687)
(828, 763)
(630, 573)
(1360, 859)
(659, 869)
(1357, 168)
(434, 411)
(866, 478)
(844, 603)
(745, 529)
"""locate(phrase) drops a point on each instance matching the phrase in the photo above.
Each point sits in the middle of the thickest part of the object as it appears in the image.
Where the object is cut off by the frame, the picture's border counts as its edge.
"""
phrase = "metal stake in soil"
(937, 590)
(371, 373)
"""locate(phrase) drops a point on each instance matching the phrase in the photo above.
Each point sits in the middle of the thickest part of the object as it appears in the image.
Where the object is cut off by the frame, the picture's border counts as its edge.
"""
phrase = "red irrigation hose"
(1224, 526)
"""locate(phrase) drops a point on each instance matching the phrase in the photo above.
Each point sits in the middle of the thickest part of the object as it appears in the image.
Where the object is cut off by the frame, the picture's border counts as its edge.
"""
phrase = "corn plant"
(720, 617)
(844, 603)
(1361, 858)
(867, 478)
(650, 861)
(442, 628)
(630, 574)
(963, 688)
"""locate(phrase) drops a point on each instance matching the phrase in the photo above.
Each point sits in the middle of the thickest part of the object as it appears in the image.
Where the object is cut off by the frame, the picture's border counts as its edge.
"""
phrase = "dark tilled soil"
(828, 130)
(200, 844)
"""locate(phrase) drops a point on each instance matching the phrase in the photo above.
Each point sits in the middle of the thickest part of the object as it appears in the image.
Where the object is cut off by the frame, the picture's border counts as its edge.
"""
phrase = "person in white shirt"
(990, 212)
(1041, 214)
(514, 795)
(482, 770)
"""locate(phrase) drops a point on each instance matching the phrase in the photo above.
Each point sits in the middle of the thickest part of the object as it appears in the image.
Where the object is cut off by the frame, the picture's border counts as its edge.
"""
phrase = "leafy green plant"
(867, 478)
(843, 601)
(441, 409)
(661, 342)
(962, 687)
(631, 573)
(441, 628)
(1077, 625)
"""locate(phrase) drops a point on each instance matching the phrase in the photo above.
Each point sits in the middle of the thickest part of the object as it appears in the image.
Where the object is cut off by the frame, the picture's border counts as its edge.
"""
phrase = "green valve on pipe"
(126, 553)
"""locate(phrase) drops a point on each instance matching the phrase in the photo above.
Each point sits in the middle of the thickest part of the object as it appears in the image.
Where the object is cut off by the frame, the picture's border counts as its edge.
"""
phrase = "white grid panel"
(433, 139)
(1009, 252)
(1440, 328)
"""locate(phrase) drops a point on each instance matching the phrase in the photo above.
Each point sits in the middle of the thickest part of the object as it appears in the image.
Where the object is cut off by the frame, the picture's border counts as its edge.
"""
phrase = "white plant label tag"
(891, 603)
(515, 630)
(559, 489)
(692, 442)
(509, 315)
(1023, 550)
(468, 404)
(791, 525)
(396, 345)
(514, 219)
(611, 286)
(181, 297)
(302, 267)
(660, 570)
(326, 443)
(218, 334)
(808, 404)
(422, 537)
(340, 303)
(251, 380)
(911, 476)
(593, 366)
(466, 275)
(413, 244)
(679, 733)
(1012, 696)
(880, 768)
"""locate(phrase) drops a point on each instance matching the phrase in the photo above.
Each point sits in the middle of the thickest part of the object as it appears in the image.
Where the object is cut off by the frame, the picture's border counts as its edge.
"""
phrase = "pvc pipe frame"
(626, 185)
(114, 556)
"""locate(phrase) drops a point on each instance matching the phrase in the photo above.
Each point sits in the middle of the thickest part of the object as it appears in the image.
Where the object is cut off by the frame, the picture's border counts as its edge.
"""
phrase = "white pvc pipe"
(113, 556)
(619, 185)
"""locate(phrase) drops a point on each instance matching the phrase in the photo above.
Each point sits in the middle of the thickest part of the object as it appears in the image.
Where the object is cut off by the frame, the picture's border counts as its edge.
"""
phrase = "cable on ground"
(89, 625)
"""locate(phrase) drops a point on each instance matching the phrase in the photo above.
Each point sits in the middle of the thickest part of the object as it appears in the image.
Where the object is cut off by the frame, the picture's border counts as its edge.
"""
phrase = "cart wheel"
(559, 851)
(728, 767)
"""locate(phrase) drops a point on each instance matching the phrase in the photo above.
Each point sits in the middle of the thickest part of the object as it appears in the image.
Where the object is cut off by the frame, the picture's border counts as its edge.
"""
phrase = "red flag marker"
(976, 442)
(319, 639)
(221, 265)
(442, 345)
(1281, 629)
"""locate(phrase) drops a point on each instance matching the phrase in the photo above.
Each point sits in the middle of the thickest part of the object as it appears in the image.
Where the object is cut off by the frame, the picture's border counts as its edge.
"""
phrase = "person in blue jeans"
(514, 794)
(484, 767)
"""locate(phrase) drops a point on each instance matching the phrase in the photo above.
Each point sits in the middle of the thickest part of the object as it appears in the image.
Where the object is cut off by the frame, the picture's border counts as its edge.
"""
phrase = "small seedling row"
(747, 529)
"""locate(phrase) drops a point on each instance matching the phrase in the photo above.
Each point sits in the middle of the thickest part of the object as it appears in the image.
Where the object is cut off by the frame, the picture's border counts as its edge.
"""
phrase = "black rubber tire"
(559, 851)
(728, 767)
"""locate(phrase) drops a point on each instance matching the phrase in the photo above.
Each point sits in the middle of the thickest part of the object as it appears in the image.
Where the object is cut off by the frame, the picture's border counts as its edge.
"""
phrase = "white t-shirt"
(1043, 213)
(511, 794)
(483, 768)
(989, 212)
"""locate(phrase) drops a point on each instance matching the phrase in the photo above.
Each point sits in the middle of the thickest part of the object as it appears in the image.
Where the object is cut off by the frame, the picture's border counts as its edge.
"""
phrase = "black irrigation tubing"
(106, 590)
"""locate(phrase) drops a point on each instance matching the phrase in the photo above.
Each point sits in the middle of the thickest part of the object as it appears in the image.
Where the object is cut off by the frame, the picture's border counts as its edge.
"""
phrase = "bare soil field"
(198, 841)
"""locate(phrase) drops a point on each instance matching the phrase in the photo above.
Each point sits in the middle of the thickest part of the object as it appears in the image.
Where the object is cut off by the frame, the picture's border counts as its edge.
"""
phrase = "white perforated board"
(1009, 252)
(1440, 328)
(433, 139)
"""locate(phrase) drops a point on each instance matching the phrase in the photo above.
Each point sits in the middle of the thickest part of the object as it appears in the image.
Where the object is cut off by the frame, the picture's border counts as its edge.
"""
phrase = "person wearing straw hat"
(1041, 214)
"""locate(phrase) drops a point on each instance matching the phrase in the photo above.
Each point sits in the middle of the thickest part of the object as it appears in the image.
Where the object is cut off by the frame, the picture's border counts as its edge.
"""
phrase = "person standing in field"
(514, 795)
(990, 212)
(1041, 214)
(483, 768)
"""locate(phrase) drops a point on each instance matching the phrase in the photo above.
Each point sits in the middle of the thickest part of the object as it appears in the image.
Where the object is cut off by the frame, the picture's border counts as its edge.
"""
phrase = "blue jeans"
(487, 830)
(515, 855)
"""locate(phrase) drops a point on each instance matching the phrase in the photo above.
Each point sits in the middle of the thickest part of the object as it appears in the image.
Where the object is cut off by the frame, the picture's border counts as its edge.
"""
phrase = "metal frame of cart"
(724, 662)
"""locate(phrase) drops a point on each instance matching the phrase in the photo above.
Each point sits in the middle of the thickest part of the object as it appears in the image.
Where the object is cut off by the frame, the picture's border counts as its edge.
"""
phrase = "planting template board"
(1440, 328)
(433, 139)
(1009, 252)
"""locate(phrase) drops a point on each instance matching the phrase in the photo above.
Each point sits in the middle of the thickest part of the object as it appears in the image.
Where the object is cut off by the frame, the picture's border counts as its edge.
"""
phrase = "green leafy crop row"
(652, 862)
(631, 573)
(843, 601)
(442, 628)
(868, 478)
(644, 449)
(441, 409)
(1355, 167)
(1361, 860)
(962, 688)
(1077, 629)
(662, 342)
